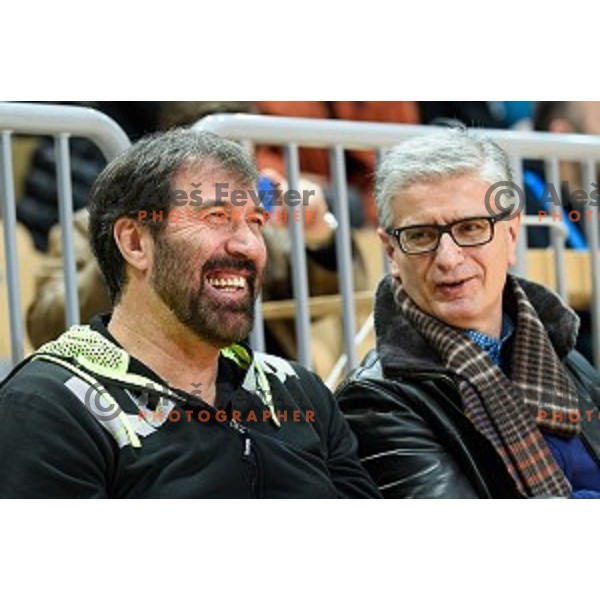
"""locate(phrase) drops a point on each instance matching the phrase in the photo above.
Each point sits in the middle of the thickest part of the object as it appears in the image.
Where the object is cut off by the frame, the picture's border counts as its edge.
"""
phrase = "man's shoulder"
(369, 368)
(289, 378)
(45, 393)
(57, 360)
(290, 374)
(577, 363)
(35, 374)
(280, 367)
(431, 394)
(368, 380)
(47, 386)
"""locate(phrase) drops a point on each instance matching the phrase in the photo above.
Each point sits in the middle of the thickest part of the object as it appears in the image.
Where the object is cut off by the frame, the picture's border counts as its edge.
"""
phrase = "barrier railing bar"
(65, 208)
(49, 119)
(380, 152)
(257, 335)
(344, 251)
(298, 259)
(553, 177)
(533, 221)
(520, 268)
(46, 119)
(9, 216)
(589, 177)
(352, 135)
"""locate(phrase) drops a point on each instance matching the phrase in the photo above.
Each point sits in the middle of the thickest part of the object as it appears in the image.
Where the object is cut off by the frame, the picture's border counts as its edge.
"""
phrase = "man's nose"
(245, 242)
(448, 254)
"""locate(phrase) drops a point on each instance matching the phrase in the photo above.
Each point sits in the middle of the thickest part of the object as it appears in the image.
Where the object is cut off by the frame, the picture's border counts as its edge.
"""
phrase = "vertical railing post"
(9, 216)
(65, 209)
(589, 178)
(343, 245)
(556, 237)
(298, 259)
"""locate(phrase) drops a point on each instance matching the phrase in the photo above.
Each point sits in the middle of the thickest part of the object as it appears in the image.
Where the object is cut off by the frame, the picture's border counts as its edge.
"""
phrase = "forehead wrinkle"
(438, 203)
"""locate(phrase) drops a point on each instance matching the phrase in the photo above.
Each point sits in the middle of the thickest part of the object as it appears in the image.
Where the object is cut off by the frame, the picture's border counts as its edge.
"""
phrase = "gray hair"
(433, 158)
(141, 178)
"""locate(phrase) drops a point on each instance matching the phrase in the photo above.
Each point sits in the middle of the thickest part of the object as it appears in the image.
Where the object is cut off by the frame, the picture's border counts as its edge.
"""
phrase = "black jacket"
(406, 411)
(145, 439)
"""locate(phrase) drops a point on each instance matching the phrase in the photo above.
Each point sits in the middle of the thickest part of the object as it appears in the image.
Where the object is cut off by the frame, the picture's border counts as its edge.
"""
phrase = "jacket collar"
(402, 348)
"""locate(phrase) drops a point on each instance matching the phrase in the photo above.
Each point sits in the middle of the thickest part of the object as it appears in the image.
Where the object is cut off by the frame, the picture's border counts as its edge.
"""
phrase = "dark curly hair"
(140, 179)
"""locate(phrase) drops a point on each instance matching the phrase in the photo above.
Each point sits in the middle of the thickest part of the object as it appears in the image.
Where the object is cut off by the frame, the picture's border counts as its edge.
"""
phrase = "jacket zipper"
(249, 455)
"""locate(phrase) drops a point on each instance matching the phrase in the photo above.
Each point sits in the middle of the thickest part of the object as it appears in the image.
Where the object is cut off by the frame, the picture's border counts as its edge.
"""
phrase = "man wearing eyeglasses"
(474, 389)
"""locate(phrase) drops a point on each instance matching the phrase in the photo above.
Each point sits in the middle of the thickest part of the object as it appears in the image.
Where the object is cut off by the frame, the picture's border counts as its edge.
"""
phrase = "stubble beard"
(184, 292)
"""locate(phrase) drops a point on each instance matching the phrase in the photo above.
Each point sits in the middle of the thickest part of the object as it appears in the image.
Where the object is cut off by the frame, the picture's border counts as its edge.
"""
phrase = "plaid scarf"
(508, 412)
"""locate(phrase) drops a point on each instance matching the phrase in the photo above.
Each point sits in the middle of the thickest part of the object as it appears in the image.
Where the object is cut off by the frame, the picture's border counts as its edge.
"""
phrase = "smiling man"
(162, 398)
(475, 389)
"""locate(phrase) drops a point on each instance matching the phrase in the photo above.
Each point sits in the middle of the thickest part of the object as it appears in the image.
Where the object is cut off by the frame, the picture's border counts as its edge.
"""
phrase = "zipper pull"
(247, 441)
(249, 457)
(247, 447)
(237, 427)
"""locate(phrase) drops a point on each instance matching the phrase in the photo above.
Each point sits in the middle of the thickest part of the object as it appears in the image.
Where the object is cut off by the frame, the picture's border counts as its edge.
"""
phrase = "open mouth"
(453, 287)
(230, 278)
(228, 284)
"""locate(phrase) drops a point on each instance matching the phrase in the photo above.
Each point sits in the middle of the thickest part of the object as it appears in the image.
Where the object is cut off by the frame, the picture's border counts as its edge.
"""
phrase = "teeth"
(235, 282)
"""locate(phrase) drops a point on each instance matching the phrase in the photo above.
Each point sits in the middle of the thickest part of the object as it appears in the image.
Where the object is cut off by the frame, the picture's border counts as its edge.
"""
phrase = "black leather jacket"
(406, 411)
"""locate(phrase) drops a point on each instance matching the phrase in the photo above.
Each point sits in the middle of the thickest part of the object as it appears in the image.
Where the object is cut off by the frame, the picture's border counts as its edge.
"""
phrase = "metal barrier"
(65, 121)
(290, 133)
(61, 122)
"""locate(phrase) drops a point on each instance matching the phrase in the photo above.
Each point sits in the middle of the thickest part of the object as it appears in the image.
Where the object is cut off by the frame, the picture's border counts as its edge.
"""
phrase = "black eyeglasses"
(420, 239)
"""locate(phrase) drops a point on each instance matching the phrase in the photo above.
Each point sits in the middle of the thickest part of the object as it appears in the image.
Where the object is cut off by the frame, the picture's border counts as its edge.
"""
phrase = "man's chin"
(230, 329)
(227, 304)
(458, 313)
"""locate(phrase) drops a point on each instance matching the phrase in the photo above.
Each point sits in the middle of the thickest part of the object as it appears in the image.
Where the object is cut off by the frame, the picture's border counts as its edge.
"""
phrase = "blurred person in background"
(360, 164)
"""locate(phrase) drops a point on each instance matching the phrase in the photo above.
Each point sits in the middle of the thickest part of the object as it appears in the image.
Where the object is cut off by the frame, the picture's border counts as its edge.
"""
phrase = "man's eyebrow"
(207, 204)
(211, 204)
(457, 219)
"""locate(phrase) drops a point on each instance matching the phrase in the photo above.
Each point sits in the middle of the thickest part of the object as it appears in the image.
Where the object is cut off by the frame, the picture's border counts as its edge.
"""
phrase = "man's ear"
(387, 242)
(134, 242)
(390, 251)
(514, 228)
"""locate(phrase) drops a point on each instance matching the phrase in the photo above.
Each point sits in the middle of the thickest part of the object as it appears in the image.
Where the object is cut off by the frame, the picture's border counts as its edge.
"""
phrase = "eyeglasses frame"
(447, 228)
